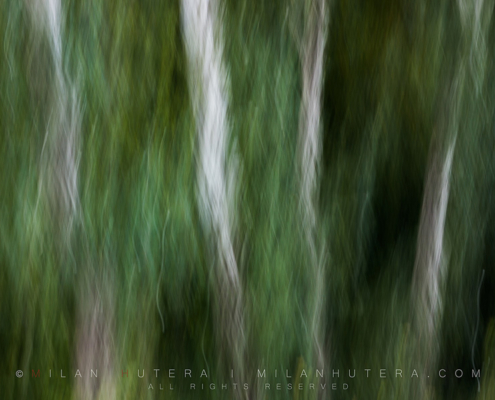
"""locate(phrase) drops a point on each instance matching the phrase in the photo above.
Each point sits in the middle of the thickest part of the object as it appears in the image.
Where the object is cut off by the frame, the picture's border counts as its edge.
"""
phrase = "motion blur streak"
(432, 256)
(62, 142)
(61, 151)
(208, 86)
(310, 143)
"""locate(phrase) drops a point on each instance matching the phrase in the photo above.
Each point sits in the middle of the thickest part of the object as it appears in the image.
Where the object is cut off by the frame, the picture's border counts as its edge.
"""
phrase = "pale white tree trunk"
(59, 180)
(311, 50)
(216, 171)
(431, 261)
(431, 256)
(60, 152)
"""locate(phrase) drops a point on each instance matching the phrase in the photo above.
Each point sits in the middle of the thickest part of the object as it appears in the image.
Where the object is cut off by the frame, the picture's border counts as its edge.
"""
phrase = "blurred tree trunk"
(59, 183)
(431, 258)
(430, 266)
(311, 51)
(216, 171)
(60, 152)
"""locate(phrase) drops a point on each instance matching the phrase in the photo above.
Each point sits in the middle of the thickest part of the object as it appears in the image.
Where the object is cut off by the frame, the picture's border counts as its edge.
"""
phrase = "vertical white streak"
(53, 11)
(210, 109)
(62, 154)
(61, 162)
(431, 258)
(309, 130)
(429, 265)
(208, 83)
(312, 60)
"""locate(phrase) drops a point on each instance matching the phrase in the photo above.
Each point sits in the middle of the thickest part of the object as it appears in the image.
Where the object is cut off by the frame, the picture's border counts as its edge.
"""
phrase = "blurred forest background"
(243, 185)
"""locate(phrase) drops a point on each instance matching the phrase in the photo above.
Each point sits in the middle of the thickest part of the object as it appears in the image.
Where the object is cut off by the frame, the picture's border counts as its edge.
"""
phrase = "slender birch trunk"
(310, 144)
(208, 83)
(59, 180)
(430, 266)
(60, 152)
